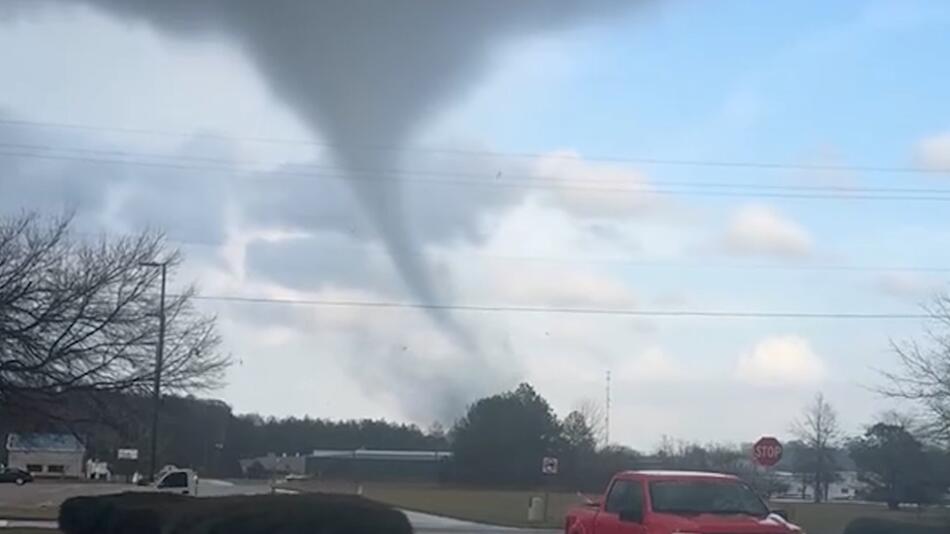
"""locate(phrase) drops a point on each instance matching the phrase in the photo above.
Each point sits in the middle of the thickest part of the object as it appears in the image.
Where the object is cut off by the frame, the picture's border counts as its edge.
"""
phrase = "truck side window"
(624, 495)
(175, 480)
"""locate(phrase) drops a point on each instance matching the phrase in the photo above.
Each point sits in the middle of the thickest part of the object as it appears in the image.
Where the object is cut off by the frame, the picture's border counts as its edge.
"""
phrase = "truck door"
(623, 509)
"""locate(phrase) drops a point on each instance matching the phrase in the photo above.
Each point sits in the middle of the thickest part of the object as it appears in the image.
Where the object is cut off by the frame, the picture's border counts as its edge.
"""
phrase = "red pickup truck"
(670, 502)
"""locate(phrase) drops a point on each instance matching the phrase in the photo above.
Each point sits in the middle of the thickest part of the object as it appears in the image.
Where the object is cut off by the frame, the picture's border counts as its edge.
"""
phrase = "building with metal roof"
(46, 455)
(358, 464)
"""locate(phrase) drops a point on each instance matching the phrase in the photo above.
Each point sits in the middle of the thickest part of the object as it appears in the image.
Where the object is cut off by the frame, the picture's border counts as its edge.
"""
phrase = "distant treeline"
(500, 441)
(207, 436)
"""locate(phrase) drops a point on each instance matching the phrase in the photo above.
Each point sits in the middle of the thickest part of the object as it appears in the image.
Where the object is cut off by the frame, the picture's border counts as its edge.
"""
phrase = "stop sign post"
(767, 451)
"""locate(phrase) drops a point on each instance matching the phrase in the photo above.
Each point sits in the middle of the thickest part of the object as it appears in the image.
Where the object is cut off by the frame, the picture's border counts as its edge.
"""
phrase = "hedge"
(157, 513)
(874, 525)
(104, 513)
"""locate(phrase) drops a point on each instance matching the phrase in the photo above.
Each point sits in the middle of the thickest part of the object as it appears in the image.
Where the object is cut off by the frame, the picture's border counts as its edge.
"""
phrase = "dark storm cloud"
(443, 204)
(434, 386)
(51, 186)
(298, 198)
(371, 73)
(55, 172)
(188, 204)
(319, 262)
(368, 72)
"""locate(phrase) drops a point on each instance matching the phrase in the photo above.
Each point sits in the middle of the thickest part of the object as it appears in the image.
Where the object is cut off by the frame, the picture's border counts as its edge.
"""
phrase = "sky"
(619, 156)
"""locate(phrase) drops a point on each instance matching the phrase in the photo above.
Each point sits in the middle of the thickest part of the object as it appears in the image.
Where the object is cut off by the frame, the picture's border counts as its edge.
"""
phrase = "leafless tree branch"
(923, 371)
(818, 429)
(82, 317)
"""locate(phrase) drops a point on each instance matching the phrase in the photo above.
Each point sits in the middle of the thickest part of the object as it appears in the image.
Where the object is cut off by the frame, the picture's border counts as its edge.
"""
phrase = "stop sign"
(767, 451)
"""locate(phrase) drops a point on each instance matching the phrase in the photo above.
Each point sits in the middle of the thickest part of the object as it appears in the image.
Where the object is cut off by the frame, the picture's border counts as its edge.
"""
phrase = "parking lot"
(51, 494)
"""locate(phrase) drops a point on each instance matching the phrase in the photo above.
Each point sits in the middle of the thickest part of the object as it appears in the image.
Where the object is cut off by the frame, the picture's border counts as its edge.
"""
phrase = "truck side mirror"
(631, 515)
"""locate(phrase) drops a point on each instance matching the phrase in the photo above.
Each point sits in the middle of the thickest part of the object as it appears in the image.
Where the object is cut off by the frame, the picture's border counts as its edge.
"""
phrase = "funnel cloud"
(367, 75)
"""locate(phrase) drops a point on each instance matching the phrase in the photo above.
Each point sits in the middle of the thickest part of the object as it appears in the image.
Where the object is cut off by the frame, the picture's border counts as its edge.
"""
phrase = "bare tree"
(818, 429)
(596, 419)
(924, 371)
(80, 317)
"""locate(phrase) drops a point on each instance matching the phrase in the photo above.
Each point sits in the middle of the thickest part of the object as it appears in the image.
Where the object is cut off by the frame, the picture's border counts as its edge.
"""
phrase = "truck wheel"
(20, 481)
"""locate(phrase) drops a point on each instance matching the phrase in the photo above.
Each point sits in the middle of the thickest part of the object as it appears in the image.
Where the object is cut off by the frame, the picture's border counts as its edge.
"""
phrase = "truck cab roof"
(674, 475)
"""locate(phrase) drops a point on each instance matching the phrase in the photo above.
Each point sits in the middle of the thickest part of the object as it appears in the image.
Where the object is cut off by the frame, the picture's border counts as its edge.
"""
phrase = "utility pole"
(607, 413)
(157, 384)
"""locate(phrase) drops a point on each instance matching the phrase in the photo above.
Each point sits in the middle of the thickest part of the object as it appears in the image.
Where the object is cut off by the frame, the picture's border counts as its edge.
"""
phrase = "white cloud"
(653, 365)
(547, 285)
(761, 230)
(781, 360)
(906, 285)
(594, 189)
(934, 152)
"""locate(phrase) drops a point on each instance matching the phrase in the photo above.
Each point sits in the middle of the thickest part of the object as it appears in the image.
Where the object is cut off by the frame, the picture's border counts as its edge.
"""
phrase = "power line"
(565, 310)
(658, 264)
(488, 153)
(643, 190)
(646, 263)
(630, 262)
(230, 164)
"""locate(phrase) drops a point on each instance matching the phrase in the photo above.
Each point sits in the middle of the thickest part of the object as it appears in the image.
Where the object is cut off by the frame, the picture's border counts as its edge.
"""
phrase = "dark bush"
(257, 514)
(141, 520)
(288, 514)
(873, 525)
(96, 515)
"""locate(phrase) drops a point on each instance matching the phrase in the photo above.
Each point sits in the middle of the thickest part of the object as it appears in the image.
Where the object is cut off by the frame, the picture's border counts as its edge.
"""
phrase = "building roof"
(366, 454)
(44, 442)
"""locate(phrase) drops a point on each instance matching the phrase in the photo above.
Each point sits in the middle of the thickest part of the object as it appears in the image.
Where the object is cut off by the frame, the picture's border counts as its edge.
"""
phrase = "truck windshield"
(705, 497)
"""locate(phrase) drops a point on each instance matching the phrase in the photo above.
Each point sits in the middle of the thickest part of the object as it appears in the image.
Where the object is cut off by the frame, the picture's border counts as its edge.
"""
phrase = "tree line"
(502, 439)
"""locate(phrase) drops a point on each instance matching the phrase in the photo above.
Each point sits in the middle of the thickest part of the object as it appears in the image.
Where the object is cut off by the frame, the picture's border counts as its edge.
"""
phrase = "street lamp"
(159, 356)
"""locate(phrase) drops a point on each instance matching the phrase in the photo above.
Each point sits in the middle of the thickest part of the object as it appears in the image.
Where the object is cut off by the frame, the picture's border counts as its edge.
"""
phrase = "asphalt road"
(52, 494)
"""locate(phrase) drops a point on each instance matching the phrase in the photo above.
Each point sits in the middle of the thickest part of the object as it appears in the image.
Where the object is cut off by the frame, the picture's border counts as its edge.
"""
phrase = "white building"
(846, 487)
(46, 455)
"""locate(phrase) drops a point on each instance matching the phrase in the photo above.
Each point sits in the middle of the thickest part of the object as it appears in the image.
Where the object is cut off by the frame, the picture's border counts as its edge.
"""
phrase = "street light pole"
(157, 384)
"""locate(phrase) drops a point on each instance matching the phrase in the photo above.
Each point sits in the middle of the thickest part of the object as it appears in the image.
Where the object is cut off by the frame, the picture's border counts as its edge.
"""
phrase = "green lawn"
(510, 508)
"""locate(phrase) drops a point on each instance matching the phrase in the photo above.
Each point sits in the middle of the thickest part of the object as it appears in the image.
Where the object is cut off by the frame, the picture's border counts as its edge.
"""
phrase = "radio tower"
(607, 413)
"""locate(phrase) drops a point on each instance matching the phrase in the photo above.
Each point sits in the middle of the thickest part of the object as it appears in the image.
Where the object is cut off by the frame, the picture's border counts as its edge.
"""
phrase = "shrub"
(151, 513)
(288, 514)
(95, 515)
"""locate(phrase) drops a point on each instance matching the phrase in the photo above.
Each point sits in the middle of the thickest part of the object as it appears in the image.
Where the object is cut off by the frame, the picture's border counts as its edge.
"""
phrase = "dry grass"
(497, 507)
(832, 518)
(510, 508)
(28, 512)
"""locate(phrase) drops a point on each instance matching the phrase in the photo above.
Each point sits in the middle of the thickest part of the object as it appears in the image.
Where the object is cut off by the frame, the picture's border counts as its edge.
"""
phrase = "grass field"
(831, 518)
(499, 507)
(28, 512)
(510, 508)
